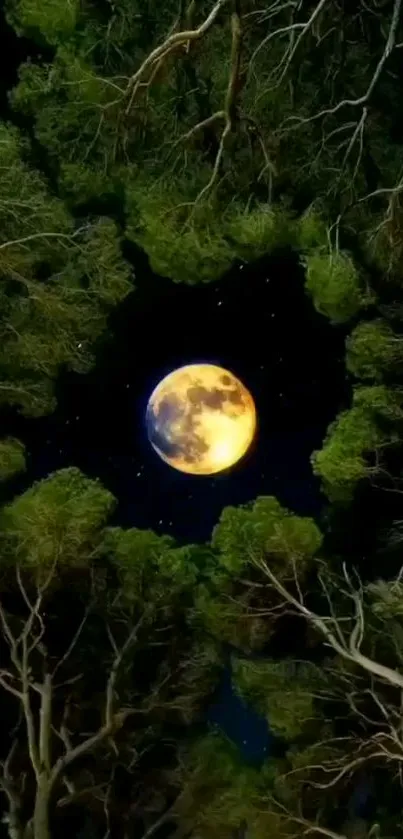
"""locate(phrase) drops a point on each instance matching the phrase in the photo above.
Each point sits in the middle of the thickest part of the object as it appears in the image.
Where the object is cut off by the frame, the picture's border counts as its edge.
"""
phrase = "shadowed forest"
(217, 181)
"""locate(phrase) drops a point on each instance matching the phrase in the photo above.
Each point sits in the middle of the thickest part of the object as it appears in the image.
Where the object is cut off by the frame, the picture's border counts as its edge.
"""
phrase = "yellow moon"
(201, 419)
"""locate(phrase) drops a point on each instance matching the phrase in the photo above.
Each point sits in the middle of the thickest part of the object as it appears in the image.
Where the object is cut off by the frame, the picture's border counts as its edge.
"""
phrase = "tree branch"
(348, 649)
(362, 100)
(178, 39)
(89, 744)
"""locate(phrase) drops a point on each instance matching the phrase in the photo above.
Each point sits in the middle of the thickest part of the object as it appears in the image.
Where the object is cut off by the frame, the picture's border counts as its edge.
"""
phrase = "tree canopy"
(204, 133)
(208, 120)
(59, 279)
(110, 657)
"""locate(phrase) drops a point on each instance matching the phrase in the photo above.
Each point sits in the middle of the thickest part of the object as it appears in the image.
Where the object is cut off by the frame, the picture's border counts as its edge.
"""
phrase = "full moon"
(201, 419)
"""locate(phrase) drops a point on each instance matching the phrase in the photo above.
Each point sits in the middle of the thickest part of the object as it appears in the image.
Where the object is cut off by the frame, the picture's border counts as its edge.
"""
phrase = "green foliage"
(314, 760)
(203, 247)
(199, 253)
(386, 598)
(12, 458)
(342, 462)
(60, 275)
(278, 152)
(68, 591)
(373, 350)
(229, 606)
(82, 185)
(335, 285)
(382, 402)
(264, 528)
(27, 212)
(220, 794)
(224, 615)
(283, 692)
(59, 282)
(149, 566)
(52, 19)
(312, 233)
(98, 260)
(57, 521)
(259, 231)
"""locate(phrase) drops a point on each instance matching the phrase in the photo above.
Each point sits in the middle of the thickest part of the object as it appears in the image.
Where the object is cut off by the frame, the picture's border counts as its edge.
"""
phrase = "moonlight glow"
(201, 419)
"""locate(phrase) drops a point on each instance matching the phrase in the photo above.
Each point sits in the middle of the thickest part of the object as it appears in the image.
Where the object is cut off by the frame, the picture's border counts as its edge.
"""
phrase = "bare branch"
(178, 39)
(45, 235)
(363, 100)
(89, 745)
(73, 643)
(45, 723)
(110, 688)
(305, 27)
(230, 99)
(15, 827)
(348, 649)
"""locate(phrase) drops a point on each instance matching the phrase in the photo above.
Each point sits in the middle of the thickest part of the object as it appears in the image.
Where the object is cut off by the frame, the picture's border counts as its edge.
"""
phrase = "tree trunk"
(15, 828)
(41, 812)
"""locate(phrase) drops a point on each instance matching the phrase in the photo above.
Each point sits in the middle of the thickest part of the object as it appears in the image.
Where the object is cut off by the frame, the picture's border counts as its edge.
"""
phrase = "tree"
(340, 716)
(357, 433)
(373, 350)
(12, 458)
(60, 279)
(335, 286)
(264, 525)
(367, 646)
(208, 116)
(231, 605)
(236, 606)
(81, 608)
(219, 796)
(285, 693)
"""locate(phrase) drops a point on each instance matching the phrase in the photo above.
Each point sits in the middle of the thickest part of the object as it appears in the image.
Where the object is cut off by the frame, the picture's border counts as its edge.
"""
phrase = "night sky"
(258, 323)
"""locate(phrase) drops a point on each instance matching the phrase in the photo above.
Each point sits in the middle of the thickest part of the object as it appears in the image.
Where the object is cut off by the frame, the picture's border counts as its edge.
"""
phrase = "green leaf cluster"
(57, 521)
(59, 280)
(264, 529)
(12, 458)
(342, 462)
(284, 692)
(335, 285)
(373, 350)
